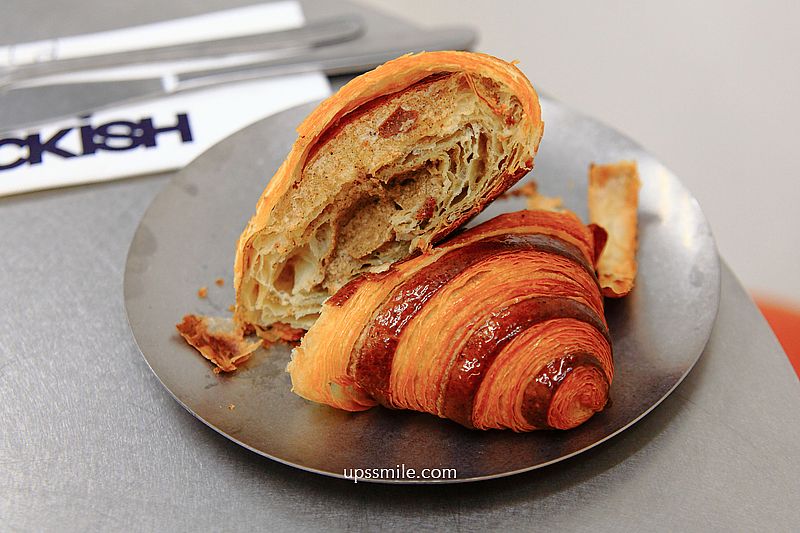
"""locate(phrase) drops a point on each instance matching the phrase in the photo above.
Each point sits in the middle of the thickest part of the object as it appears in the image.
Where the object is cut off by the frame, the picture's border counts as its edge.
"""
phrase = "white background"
(712, 88)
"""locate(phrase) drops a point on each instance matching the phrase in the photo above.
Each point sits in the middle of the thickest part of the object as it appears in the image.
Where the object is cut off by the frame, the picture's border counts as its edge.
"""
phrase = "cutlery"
(320, 33)
(21, 108)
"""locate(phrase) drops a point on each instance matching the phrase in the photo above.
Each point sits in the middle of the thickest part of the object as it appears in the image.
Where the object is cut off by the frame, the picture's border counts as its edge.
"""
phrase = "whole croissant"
(501, 326)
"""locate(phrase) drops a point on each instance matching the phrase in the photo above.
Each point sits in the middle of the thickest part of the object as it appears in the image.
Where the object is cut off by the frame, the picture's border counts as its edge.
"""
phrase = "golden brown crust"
(389, 79)
(613, 204)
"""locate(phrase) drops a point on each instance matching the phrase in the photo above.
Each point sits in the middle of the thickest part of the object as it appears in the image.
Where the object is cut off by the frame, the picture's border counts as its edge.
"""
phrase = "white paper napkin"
(157, 135)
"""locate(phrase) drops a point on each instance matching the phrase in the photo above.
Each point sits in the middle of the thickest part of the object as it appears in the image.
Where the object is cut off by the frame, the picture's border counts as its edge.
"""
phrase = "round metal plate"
(187, 240)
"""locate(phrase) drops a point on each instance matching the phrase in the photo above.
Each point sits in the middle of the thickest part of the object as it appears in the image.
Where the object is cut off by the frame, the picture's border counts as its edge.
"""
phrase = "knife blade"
(20, 109)
(315, 33)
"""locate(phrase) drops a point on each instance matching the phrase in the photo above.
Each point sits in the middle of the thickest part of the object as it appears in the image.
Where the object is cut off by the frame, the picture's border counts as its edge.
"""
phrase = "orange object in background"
(784, 319)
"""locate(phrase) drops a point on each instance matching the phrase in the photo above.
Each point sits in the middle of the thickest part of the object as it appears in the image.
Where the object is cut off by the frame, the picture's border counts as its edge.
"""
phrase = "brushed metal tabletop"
(90, 441)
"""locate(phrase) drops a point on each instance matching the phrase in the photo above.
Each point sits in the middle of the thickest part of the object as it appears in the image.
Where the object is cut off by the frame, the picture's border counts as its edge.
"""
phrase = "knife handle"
(331, 62)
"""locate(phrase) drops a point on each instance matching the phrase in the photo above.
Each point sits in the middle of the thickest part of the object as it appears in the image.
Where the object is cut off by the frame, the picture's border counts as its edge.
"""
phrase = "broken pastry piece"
(395, 161)
(613, 203)
(280, 332)
(535, 200)
(390, 165)
(219, 340)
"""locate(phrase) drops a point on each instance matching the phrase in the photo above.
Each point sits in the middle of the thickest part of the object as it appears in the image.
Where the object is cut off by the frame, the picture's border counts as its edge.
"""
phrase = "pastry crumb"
(535, 200)
(280, 332)
(219, 340)
(231, 308)
(202, 292)
(526, 189)
(231, 407)
(220, 282)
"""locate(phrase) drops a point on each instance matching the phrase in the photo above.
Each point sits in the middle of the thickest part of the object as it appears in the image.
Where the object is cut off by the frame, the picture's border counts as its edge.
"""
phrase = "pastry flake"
(218, 339)
(613, 205)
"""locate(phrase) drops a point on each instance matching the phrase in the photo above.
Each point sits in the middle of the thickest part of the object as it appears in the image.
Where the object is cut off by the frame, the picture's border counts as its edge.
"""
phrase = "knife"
(81, 99)
(318, 33)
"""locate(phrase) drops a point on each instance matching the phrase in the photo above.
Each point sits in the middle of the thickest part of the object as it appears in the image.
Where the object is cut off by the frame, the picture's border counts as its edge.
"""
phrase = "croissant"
(500, 326)
(394, 162)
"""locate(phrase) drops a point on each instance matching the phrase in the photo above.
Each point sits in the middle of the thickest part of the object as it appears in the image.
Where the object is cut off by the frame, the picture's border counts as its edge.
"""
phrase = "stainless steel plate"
(187, 239)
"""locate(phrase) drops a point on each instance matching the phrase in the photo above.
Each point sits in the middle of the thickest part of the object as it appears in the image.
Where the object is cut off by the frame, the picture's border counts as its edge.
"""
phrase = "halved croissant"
(395, 161)
(501, 326)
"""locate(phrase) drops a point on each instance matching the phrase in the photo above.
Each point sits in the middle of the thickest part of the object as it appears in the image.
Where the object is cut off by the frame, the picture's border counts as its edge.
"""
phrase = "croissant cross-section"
(395, 161)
